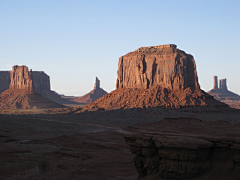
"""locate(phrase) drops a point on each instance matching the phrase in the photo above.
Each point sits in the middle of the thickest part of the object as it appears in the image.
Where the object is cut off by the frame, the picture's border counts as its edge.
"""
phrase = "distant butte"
(157, 76)
(220, 92)
(40, 83)
(93, 95)
(21, 94)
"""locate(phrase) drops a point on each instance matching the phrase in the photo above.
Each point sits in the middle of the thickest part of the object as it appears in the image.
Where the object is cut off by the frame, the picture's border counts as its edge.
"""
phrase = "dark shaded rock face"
(186, 148)
(41, 81)
(93, 95)
(21, 78)
(164, 65)
(4, 80)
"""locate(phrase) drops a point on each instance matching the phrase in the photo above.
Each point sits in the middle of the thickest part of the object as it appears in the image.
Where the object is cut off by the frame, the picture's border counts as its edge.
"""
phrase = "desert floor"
(56, 145)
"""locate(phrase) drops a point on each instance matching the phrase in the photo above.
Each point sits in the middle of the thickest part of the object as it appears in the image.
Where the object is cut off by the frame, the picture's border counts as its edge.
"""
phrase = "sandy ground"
(85, 146)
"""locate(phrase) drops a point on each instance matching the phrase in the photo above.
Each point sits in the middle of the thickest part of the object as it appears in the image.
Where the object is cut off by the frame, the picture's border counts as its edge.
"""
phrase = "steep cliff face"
(163, 65)
(185, 148)
(4, 80)
(21, 78)
(41, 81)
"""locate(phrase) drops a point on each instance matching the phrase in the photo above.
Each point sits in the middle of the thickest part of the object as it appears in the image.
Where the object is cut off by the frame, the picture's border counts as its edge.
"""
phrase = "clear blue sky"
(75, 41)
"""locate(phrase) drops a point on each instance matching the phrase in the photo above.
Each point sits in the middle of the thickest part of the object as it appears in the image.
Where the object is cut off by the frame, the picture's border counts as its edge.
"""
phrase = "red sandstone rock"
(93, 95)
(41, 85)
(21, 94)
(21, 78)
(158, 76)
(164, 65)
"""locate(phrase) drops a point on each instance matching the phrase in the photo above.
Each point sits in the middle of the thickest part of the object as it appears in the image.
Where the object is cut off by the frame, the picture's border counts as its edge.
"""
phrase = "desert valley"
(157, 124)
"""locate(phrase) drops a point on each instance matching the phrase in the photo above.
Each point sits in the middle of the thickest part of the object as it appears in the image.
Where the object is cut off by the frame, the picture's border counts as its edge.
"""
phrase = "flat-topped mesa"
(21, 78)
(97, 83)
(163, 65)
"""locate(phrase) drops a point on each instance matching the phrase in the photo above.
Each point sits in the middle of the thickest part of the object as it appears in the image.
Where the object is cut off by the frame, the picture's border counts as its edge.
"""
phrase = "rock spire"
(97, 83)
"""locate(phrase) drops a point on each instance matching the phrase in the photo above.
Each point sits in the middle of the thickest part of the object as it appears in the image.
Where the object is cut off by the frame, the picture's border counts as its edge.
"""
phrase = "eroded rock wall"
(163, 65)
(20, 78)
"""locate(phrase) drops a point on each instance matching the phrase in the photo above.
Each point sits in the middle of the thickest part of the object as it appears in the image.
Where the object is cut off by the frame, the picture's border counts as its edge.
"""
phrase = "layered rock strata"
(157, 76)
(185, 148)
(93, 95)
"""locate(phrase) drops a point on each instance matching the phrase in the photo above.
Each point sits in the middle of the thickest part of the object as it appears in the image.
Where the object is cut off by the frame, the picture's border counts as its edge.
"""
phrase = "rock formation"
(21, 78)
(185, 148)
(40, 82)
(93, 95)
(215, 79)
(21, 92)
(165, 66)
(222, 93)
(157, 76)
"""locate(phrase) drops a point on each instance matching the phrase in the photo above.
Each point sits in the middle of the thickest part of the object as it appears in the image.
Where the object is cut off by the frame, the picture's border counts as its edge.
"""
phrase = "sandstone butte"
(156, 76)
(21, 94)
(93, 95)
(41, 85)
(221, 92)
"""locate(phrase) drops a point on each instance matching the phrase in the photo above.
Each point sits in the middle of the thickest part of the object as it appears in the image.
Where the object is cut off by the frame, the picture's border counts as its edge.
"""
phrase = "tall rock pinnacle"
(215, 80)
(97, 83)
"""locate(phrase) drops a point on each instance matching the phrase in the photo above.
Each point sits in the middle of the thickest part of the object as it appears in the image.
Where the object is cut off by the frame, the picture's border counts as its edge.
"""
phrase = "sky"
(74, 41)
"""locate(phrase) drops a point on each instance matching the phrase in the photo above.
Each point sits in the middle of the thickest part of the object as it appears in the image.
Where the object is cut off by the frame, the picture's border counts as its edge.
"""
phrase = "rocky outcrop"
(157, 76)
(21, 78)
(93, 95)
(21, 94)
(164, 65)
(222, 93)
(185, 148)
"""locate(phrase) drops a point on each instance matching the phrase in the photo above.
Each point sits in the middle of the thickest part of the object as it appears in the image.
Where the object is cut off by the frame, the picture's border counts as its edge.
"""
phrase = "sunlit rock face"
(163, 65)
